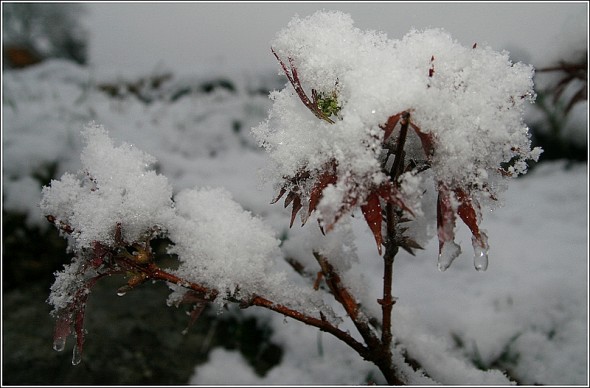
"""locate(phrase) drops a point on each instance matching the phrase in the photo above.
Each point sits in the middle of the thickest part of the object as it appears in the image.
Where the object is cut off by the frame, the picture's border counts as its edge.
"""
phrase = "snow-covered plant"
(412, 114)
(396, 128)
(117, 204)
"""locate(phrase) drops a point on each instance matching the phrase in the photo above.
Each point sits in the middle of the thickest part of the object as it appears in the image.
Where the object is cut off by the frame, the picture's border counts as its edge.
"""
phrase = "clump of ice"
(470, 100)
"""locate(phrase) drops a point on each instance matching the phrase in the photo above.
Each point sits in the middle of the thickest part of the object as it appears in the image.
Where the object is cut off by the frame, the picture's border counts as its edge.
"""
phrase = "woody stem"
(153, 272)
(391, 247)
(388, 258)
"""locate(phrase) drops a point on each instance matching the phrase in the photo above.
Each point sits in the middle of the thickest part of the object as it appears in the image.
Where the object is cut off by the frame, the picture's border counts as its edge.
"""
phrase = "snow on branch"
(116, 204)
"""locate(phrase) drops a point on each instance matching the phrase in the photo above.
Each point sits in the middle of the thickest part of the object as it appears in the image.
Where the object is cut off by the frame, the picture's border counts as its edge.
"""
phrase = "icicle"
(480, 252)
(448, 253)
(76, 355)
(62, 331)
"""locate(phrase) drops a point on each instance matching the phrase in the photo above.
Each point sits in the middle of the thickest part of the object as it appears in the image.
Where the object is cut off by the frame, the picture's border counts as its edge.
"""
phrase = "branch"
(391, 249)
(343, 296)
(153, 272)
(321, 324)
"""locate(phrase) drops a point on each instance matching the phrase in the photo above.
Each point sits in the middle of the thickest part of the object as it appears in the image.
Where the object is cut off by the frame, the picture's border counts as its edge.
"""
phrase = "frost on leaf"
(420, 103)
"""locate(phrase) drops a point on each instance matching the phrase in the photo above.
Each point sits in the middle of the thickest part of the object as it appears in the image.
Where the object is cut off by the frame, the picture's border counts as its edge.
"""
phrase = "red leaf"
(388, 192)
(467, 213)
(427, 140)
(296, 207)
(195, 313)
(293, 78)
(326, 179)
(99, 252)
(289, 198)
(390, 125)
(349, 199)
(281, 193)
(372, 212)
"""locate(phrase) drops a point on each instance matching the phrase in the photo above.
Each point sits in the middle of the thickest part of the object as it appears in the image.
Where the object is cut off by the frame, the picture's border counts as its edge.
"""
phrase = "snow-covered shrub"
(413, 115)
(397, 128)
(117, 204)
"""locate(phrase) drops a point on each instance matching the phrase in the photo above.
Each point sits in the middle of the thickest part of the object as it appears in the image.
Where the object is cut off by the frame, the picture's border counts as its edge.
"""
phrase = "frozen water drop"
(76, 355)
(480, 252)
(123, 290)
(480, 261)
(59, 344)
(449, 252)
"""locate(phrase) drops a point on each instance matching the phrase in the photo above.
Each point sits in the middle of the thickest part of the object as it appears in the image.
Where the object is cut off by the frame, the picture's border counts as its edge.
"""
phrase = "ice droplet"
(480, 252)
(449, 252)
(59, 344)
(480, 260)
(76, 355)
(123, 290)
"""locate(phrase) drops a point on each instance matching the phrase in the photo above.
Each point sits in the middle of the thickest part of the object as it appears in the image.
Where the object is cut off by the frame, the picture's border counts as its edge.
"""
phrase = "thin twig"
(153, 272)
(347, 300)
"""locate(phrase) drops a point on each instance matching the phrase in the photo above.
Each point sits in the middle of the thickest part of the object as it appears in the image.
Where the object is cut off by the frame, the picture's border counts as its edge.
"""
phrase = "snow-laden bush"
(396, 128)
(459, 112)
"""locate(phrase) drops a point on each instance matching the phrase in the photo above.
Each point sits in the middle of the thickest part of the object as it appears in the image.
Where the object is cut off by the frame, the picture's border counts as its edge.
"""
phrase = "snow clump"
(219, 245)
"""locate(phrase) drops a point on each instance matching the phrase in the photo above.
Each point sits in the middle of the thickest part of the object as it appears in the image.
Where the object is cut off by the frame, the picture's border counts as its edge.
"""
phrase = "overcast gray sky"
(143, 36)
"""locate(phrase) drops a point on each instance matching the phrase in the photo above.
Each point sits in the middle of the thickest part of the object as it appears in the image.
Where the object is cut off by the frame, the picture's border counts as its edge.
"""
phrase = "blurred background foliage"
(33, 32)
(137, 339)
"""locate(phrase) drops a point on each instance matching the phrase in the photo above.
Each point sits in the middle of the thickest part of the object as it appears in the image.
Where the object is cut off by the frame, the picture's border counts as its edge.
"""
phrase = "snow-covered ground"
(526, 314)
